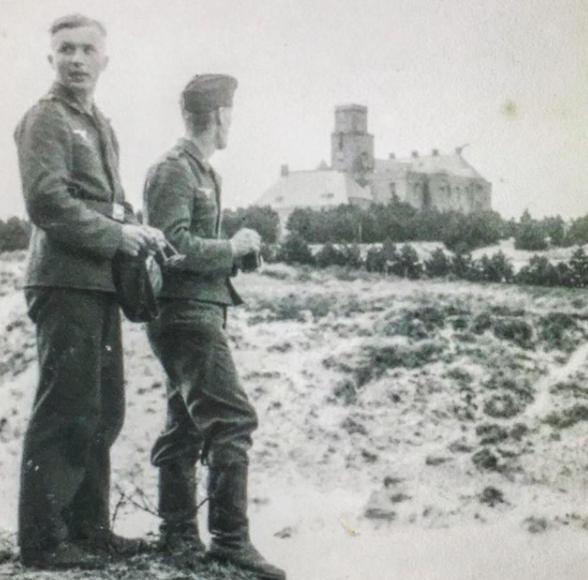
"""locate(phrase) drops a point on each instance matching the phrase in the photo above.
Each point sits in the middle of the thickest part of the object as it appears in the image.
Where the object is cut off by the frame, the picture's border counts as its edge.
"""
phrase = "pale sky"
(509, 78)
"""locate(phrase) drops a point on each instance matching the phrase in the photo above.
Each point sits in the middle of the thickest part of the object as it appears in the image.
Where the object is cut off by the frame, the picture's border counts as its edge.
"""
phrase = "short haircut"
(76, 21)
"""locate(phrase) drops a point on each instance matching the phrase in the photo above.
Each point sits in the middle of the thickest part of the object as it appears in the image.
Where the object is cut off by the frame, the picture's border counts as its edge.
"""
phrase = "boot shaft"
(178, 530)
(177, 491)
(228, 523)
(227, 510)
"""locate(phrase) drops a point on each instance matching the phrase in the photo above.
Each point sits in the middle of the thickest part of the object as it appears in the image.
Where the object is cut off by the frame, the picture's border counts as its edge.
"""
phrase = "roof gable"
(313, 189)
(453, 164)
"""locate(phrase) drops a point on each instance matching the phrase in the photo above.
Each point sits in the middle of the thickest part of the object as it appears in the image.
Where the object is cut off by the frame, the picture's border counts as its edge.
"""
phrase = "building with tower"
(442, 181)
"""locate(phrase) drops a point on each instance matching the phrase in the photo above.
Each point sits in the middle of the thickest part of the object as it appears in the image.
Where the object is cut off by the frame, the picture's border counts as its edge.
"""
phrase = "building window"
(279, 199)
(392, 189)
(328, 195)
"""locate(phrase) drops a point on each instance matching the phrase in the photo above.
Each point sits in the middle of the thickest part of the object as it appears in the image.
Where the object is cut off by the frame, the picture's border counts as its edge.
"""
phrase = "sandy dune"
(409, 430)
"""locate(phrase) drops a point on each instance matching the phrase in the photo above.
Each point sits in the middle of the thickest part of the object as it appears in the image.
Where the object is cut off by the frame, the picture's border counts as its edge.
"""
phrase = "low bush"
(558, 330)
(295, 307)
(497, 268)
(329, 255)
(577, 274)
(463, 266)
(14, 234)
(295, 250)
(438, 264)
(375, 260)
(352, 255)
(407, 264)
(539, 272)
(567, 417)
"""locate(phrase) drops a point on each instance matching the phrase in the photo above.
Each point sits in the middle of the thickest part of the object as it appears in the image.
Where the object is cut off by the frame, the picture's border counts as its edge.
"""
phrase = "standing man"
(209, 416)
(68, 157)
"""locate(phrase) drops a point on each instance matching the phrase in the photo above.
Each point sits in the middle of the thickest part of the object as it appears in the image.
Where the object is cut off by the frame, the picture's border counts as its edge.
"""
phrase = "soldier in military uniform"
(68, 157)
(209, 416)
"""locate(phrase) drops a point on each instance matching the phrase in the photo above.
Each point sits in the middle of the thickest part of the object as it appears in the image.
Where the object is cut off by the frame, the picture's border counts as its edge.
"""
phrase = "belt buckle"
(118, 212)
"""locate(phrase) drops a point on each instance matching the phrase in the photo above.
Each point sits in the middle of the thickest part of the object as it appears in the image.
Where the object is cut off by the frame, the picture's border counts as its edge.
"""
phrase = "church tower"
(352, 147)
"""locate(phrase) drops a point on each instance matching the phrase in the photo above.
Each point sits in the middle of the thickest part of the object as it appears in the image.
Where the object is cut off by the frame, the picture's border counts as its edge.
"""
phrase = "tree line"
(400, 222)
(397, 222)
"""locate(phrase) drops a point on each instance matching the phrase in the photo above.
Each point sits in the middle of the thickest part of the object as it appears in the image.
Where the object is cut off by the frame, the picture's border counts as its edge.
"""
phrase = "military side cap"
(208, 92)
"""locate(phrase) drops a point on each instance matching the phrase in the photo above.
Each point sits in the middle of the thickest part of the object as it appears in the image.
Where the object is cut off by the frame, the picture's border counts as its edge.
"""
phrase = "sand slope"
(409, 429)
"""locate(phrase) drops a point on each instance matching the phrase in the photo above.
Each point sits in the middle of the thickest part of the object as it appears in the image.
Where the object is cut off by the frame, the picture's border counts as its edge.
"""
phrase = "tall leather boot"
(228, 523)
(179, 534)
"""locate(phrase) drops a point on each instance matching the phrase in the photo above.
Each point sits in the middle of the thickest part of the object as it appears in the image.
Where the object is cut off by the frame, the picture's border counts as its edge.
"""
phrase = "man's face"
(225, 117)
(78, 57)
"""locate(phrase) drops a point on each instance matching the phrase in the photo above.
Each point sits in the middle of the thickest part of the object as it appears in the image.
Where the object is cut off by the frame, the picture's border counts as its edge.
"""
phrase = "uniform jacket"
(68, 162)
(182, 198)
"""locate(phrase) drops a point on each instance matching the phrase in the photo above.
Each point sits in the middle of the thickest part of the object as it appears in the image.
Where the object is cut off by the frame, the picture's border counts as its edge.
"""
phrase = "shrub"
(530, 235)
(564, 274)
(14, 234)
(328, 255)
(295, 250)
(302, 223)
(577, 274)
(407, 264)
(463, 233)
(375, 260)
(498, 268)
(389, 253)
(539, 272)
(578, 232)
(438, 264)
(463, 266)
(296, 307)
(515, 330)
(341, 224)
(377, 360)
(567, 417)
(557, 329)
(554, 229)
(352, 255)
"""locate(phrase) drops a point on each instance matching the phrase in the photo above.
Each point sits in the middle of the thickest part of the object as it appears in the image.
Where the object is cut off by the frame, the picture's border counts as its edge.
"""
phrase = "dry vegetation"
(438, 402)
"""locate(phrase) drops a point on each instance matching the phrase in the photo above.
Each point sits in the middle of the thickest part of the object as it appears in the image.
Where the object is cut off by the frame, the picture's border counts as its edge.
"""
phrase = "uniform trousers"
(209, 416)
(78, 413)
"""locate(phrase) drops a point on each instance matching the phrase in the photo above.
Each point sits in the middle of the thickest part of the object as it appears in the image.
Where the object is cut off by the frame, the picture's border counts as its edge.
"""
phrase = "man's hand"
(245, 241)
(141, 238)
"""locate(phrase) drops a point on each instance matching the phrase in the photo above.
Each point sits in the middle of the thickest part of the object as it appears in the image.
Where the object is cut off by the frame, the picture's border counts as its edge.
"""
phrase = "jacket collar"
(192, 150)
(62, 93)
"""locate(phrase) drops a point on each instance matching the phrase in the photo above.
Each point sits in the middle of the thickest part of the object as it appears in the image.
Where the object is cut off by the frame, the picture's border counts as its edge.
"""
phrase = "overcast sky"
(509, 78)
